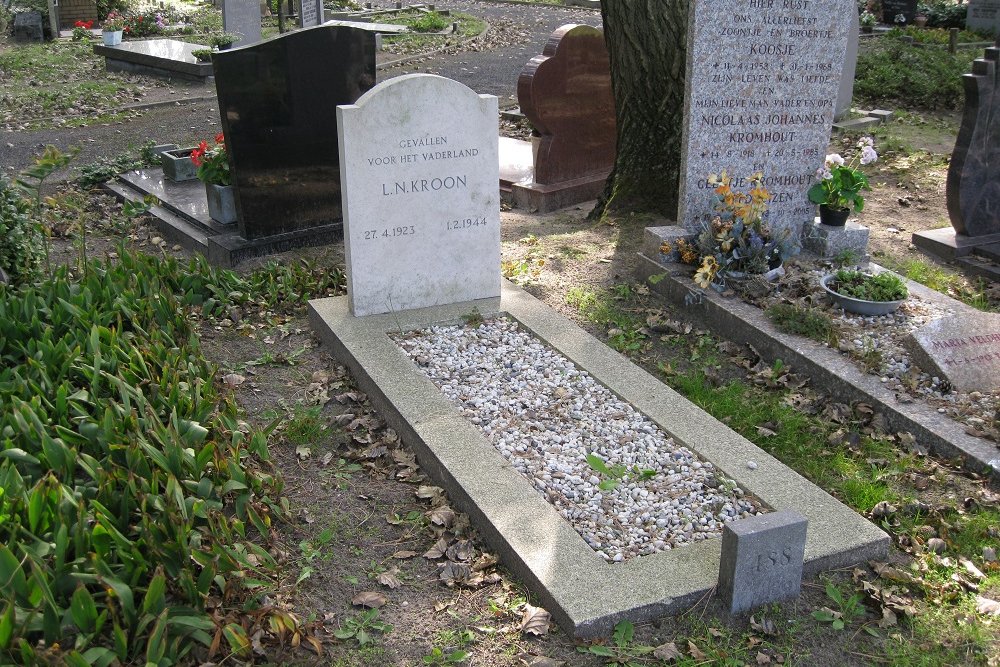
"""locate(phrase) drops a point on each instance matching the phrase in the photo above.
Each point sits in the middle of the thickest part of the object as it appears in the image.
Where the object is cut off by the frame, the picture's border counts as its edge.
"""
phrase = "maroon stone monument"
(566, 95)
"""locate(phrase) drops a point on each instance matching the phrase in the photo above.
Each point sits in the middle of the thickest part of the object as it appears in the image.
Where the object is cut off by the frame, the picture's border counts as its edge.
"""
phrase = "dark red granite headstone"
(566, 94)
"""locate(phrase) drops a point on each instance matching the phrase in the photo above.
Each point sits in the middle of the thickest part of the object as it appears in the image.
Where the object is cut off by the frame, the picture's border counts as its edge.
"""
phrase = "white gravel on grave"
(545, 416)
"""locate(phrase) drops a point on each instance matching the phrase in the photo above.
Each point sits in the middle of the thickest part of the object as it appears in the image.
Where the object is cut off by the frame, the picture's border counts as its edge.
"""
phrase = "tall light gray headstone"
(984, 16)
(419, 167)
(311, 13)
(242, 18)
(762, 84)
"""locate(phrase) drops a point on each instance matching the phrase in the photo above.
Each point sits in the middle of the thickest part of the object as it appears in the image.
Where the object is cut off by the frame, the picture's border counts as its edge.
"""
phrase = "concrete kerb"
(586, 595)
(827, 368)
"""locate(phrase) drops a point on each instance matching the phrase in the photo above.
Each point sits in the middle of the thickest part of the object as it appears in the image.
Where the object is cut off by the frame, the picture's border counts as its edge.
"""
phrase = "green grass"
(893, 73)
(809, 322)
(942, 280)
(605, 309)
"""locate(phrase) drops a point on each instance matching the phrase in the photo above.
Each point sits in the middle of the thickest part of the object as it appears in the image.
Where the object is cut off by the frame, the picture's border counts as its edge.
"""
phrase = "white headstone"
(242, 18)
(762, 83)
(311, 13)
(984, 16)
(419, 168)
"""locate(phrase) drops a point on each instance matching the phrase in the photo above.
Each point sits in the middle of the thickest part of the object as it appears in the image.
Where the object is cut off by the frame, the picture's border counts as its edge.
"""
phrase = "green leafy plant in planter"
(223, 40)
(860, 285)
(840, 182)
(202, 55)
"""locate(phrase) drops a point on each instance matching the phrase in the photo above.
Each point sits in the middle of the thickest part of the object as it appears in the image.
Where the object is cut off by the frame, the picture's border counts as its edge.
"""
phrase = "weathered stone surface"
(965, 350)
(984, 16)
(28, 27)
(827, 241)
(893, 8)
(242, 17)
(311, 13)
(653, 239)
(762, 560)
(845, 96)
(419, 173)
(566, 94)
(973, 189)
(278, 101)
(762, 85)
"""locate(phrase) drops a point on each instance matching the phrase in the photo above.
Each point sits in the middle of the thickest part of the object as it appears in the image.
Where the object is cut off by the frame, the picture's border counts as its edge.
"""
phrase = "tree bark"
(647, 43)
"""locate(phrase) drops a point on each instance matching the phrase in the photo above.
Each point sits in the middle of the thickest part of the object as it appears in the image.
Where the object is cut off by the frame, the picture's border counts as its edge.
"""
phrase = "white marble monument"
(419, 169)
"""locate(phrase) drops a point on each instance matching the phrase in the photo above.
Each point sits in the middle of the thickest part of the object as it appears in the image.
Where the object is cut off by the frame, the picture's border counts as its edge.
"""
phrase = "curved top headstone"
(419, 172)
(566, 94)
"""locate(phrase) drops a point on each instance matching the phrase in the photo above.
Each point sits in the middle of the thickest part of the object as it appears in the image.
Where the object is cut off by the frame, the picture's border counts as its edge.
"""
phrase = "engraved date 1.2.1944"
(467, 223)
(392, 232)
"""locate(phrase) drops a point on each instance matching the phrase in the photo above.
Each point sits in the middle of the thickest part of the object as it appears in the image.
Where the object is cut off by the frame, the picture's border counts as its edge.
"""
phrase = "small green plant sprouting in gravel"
(614, 473)
(859, 285)
(809, 322)
(848, 608)
(361, 626)
(305, 427)
(473, 319)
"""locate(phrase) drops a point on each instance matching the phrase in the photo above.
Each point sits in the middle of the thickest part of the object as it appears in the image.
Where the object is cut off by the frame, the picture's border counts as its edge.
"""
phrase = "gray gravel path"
(518, 33)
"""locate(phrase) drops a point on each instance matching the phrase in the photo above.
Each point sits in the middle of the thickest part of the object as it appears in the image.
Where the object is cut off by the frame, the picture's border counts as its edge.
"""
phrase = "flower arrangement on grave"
(81, 30)
(840, 182)
(900, 19)
(212, 162)
(868, 20)
(736, 243)
(223, 40)
(144, 24)
(114, 22)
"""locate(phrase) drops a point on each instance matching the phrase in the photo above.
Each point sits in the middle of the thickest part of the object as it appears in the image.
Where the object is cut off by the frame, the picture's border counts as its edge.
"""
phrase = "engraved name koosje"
(978, 349)
(415, 151)
(790, 98)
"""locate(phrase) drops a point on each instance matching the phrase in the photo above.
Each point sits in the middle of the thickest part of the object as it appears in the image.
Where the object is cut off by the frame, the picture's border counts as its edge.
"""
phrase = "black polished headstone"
(973, 189)
(28, 27)
(893, 8)
(278, 101)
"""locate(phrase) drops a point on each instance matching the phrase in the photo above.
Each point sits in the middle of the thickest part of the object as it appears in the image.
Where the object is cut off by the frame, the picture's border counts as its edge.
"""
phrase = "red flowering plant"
(212, 162)
(81, 30)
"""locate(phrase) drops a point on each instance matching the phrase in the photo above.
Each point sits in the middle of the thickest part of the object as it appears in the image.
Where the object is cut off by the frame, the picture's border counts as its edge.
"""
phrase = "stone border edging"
(828, 368)
(584, 593)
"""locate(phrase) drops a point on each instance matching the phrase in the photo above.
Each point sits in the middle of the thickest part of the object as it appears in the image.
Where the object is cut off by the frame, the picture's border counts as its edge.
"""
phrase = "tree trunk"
(647, 43)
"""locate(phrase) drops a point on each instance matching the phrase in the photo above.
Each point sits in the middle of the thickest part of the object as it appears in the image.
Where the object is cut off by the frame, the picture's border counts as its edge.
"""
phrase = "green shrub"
(893, 73)
(21, 248)
(430, 22)
(937, 36)
(881, 287)
(127, 486)
(943, 14)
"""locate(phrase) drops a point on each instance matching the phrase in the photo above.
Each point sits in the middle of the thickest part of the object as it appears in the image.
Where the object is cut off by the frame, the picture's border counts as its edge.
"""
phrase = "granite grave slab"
(584, 593)
(242, 17)
(419, 173)
(159, 57)
(311, 13)
(891, 9)
(28, 27)
(278, 102)
(762, 560)
(566, 95)
(965, 350)
(984, 16)
(762, 85)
